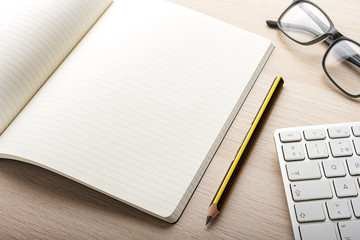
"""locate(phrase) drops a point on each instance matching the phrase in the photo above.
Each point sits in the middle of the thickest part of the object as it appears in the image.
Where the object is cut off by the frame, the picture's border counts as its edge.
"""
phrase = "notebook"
(131, 98)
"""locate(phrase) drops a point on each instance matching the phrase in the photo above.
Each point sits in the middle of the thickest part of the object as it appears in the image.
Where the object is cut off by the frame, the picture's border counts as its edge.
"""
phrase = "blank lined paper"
(140, 106)
(35, 37)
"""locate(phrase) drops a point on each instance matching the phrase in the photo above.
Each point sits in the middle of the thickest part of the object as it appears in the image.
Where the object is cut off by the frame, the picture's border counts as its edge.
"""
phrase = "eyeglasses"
(305, 23)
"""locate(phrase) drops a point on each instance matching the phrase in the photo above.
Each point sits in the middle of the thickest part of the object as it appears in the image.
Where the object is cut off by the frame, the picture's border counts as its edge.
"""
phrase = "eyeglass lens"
(342, 63)
(304, 22)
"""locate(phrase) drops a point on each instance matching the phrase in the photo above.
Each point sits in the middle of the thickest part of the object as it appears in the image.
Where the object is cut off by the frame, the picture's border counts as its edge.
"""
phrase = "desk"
(38, 204)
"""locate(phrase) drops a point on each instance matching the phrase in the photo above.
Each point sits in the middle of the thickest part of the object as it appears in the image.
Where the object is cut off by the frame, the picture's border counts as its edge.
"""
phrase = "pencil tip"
(208, 219)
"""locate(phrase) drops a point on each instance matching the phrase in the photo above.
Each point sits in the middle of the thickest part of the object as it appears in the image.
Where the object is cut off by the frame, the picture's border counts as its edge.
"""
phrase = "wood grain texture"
(38, 204)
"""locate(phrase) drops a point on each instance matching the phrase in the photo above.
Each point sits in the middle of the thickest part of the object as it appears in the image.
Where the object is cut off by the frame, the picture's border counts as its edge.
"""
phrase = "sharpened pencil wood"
(212, 212)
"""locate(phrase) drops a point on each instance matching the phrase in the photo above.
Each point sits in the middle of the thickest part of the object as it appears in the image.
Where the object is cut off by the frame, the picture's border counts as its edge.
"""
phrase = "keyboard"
(320, 168)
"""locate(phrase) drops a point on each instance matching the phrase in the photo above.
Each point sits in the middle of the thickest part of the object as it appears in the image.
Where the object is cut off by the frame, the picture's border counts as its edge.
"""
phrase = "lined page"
(35, 37)
(136, 107)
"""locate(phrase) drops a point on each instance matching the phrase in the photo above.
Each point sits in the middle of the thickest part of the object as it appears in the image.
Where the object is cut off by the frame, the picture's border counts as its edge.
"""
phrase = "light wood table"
(38, 204)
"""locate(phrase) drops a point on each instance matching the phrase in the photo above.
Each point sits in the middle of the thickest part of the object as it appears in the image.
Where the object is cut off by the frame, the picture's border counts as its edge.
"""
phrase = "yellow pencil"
(222, 192)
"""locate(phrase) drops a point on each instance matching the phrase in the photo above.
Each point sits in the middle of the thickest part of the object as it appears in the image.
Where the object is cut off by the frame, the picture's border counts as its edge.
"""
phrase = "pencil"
(235, 166)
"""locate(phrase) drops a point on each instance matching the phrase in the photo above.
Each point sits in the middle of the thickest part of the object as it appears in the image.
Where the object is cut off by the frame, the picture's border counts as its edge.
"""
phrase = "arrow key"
(338, 209)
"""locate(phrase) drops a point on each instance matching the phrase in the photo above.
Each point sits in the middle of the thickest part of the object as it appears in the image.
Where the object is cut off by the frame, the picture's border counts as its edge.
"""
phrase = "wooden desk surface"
(38, 204)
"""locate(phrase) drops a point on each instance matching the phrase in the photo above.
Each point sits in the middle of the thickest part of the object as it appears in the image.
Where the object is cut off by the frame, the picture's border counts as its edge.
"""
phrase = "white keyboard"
(320, 167)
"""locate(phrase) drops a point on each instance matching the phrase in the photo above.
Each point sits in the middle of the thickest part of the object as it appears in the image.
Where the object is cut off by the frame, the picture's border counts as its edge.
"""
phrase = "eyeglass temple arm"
(354, 58)
(273, 24)
(320, 23)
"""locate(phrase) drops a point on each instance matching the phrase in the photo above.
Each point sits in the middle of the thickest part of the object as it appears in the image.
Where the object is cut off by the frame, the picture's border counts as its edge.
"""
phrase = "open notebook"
(130, 98)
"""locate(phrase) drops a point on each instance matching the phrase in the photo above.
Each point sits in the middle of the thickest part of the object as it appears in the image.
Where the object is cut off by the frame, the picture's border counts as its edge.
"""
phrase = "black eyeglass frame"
(331, 37)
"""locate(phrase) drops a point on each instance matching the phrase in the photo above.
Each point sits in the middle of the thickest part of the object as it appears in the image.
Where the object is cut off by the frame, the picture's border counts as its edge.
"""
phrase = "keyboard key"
(317, 150)
(302, 171)
(309, 212)
(345, 188)
(293, 152)
(356, 130)
(356, 206)
(354, 166)
(291, 136)
(356, 142)
(339, 132)
(315, 134)
(349, 230)
(309, 190)
(334, 168)
(338, 209)
(318, 231)
(340, 148)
